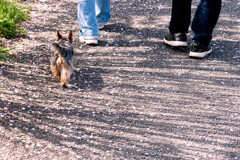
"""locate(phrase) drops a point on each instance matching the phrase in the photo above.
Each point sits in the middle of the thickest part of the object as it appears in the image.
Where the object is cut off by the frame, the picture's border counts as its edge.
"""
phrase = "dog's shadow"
(87, 79)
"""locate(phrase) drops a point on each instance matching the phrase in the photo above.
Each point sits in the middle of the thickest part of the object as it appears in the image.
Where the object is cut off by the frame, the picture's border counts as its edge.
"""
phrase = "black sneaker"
(198, 50)
(176, 40)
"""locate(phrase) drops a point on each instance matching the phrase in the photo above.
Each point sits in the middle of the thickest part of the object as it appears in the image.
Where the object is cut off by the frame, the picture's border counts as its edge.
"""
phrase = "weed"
(5, 54)
(11, 15)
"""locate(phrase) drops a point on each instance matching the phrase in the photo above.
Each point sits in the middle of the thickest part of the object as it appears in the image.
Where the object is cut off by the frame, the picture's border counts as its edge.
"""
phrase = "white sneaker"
(198, 50)
(88, 41)
(100, 27)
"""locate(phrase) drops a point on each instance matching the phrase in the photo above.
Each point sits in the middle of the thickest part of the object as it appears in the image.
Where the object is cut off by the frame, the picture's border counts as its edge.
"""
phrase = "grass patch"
(12, 14)
(5, 54)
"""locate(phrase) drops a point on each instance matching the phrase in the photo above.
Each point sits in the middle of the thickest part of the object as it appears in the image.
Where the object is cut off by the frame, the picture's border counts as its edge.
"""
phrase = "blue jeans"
(204, 20)
(89, 11)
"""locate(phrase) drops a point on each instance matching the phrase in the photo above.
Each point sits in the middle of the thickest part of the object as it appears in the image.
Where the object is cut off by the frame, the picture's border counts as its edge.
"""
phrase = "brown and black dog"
(61, 58)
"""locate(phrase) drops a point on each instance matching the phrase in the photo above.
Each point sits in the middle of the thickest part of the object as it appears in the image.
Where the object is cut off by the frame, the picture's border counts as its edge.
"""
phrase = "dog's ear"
(59, 36)
(70, 36)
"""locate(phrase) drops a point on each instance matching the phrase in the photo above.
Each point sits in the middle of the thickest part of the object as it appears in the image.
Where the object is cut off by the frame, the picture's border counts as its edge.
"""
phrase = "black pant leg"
(205, 19)
(181, 16)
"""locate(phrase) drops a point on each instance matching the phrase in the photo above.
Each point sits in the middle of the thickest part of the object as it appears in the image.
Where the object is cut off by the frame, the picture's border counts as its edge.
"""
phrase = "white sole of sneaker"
(100, 27)
(175, 43)
(88, 41)
(199, 54)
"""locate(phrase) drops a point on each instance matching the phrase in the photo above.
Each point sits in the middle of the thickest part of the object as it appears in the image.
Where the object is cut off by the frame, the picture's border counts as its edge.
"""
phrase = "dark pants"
(204, 20)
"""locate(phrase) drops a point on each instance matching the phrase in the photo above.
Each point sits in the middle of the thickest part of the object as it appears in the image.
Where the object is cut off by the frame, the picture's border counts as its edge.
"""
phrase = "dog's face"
(69, 37)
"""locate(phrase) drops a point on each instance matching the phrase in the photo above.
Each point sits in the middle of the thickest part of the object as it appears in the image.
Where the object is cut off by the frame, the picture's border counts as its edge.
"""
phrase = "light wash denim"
(89, 11)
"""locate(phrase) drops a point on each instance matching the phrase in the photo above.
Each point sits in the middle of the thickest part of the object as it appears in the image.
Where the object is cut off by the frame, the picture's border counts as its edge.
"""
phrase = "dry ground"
(131, 97)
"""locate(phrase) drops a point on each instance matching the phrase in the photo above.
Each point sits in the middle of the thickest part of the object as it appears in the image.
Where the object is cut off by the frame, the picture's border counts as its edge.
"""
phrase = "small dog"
(61, 58)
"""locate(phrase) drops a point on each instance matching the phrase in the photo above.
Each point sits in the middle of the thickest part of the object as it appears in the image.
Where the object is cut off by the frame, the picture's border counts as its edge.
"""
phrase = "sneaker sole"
(175, 43)
(89, 42)
(100, 27)
(199, 54)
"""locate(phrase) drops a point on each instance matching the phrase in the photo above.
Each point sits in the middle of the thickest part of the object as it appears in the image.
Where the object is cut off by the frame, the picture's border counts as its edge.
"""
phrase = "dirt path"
(131, 97)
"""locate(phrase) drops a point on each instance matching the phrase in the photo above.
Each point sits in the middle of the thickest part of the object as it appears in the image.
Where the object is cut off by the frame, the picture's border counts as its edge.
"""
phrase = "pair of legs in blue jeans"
(89, 11)
(204, 20)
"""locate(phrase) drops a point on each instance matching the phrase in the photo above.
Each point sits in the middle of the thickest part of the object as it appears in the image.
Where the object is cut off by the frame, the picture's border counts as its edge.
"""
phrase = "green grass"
(5, 54)
(1, 87)
(12, 13)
